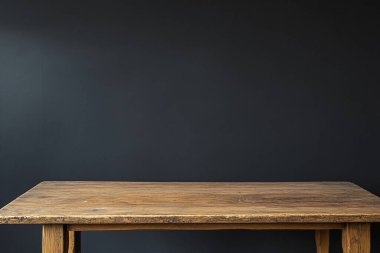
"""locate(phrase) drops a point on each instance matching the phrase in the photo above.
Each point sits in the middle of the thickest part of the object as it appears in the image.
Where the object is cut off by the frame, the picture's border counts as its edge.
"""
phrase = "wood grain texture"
(176, 203)
(54, 239)
(322, 240)
(356, 238)
(74, 242)
(208, 226)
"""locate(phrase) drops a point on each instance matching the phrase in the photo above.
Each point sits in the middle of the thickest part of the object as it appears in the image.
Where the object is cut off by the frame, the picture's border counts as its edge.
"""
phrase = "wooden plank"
(54, 239)
(356, 238)
(74, 242)
(173, 203)
(206, 226)
(322, 240)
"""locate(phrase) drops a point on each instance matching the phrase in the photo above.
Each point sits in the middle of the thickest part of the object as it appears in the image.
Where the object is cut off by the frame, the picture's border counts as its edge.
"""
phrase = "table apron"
(206, 226)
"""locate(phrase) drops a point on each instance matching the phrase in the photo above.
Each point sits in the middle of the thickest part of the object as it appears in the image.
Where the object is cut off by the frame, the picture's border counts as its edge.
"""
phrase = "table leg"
(322, 240)
(74, 242)
(356, 238)
(54, 239)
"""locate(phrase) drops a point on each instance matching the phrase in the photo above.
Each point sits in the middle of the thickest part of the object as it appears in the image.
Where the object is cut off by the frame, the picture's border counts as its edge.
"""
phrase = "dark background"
(187, 91)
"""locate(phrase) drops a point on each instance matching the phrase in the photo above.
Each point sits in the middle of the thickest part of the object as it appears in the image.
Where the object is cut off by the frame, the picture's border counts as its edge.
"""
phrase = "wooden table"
(67, 208)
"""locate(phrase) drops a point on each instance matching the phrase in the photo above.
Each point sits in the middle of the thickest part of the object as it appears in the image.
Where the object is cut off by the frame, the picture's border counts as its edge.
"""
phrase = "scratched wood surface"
(142, 203)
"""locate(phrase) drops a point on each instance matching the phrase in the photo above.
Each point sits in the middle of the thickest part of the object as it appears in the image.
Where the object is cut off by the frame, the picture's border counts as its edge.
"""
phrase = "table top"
(174, 202)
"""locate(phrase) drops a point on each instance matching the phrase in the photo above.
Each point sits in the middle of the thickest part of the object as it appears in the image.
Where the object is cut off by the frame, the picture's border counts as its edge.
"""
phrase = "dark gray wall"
(187, 91)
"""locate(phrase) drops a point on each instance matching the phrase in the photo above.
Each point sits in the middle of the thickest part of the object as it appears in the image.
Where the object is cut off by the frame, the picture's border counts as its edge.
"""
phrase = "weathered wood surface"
(134, 202)
(356, 238)
(322, 240)
(54, 239)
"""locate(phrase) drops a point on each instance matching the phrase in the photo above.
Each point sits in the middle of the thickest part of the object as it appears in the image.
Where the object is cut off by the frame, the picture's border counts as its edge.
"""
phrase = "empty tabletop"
(155, 202)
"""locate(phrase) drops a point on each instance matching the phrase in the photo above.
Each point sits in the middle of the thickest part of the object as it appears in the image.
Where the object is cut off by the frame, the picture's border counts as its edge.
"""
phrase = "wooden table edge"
(191, 219)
